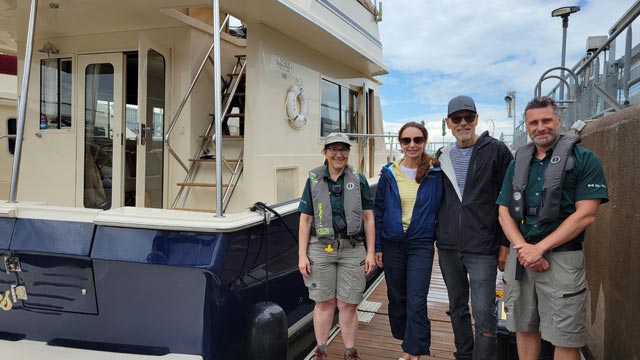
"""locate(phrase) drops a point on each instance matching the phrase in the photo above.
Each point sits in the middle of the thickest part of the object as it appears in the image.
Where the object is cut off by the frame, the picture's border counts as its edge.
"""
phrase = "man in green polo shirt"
(545, 275)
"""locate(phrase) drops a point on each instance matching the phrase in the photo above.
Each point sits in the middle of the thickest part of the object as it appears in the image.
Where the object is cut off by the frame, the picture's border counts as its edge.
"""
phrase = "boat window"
(55, 93)
(338, 109)
(11, 130)
(155, 124)
(98, 160)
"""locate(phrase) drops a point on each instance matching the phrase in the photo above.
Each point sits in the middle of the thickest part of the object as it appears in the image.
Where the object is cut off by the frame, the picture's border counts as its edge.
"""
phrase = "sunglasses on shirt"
(418, 140)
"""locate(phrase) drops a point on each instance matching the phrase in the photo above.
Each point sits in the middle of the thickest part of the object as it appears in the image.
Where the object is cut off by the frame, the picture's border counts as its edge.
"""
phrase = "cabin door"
(152, 114)
(100, 131)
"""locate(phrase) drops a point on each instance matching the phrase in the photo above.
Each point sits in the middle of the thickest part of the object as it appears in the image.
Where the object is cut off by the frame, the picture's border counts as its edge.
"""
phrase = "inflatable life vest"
(561, 162)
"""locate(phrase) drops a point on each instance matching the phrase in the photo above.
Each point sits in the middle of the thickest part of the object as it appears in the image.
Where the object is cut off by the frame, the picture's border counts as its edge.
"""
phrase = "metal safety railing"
(600, 82)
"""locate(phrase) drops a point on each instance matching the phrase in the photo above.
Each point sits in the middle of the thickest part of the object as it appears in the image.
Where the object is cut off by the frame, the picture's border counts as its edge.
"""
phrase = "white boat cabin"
(115, 118)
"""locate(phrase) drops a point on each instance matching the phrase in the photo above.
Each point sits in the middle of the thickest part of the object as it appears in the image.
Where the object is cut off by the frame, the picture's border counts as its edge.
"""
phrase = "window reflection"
(55, 93)
(339, 109)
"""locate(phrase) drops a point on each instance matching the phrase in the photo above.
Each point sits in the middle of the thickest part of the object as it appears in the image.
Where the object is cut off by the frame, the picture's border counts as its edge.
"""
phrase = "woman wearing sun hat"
(336, 218)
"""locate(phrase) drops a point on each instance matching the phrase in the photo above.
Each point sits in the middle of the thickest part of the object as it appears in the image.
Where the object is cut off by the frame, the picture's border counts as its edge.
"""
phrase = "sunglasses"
(458, 119)
(418, 140)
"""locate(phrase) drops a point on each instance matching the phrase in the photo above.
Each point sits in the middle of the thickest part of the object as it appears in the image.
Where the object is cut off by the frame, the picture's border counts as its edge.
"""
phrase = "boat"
(157, 165)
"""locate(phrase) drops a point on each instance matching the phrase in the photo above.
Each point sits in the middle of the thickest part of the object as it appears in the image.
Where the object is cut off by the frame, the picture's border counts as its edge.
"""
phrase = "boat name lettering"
(284, 65)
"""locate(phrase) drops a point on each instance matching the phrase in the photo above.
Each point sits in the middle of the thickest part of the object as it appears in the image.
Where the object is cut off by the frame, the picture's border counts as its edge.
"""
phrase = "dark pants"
(407, 268)
(461, 272)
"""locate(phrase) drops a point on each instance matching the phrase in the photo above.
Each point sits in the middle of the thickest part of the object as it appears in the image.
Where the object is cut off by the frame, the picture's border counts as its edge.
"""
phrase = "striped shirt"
(460, 158)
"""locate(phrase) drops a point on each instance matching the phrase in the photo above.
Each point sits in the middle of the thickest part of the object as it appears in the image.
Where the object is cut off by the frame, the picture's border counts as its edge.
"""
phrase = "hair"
(541, 102)
(426, 160)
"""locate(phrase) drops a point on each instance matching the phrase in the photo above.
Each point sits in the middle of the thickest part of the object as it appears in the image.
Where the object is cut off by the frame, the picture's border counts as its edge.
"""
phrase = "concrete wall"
(612, 243)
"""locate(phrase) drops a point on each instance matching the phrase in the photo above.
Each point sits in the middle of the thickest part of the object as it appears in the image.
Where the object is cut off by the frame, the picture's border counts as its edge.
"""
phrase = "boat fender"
(297, 114)
(269, 332)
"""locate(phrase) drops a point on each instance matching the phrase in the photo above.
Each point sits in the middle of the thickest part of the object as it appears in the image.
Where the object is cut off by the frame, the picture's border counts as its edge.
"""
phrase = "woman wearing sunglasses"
(406, 205)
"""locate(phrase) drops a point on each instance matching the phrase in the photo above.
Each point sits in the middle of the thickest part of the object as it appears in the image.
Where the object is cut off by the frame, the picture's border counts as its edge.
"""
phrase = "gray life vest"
(322, 212)
(562, 161)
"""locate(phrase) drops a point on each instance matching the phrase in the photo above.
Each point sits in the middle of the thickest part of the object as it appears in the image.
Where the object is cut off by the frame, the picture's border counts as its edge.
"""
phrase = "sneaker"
(353, 355)
(319, 355)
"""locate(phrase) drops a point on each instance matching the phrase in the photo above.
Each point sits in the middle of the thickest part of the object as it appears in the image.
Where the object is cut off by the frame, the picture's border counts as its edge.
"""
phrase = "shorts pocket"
(569, 313)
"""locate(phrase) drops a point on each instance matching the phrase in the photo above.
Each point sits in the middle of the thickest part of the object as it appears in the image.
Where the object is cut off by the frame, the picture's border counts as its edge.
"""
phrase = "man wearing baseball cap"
(468, 233)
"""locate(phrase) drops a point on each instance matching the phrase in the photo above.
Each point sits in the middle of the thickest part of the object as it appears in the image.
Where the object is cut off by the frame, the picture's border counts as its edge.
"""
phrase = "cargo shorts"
(337, 273)
(552, 301)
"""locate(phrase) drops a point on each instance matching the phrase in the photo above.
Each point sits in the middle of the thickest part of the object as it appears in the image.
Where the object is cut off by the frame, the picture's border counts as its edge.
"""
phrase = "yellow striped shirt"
(408, 189)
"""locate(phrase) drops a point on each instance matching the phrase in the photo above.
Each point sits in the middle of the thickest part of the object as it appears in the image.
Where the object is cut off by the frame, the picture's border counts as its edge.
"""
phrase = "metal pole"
(217, 101)
(515, 112)
(22, 107)
(627, 66)
(565, 25)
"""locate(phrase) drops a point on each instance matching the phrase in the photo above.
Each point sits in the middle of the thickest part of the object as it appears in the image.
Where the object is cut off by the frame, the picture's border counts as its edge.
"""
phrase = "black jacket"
(471, 225)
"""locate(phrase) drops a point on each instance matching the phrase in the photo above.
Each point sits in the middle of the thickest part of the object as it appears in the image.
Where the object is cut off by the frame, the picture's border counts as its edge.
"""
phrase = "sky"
(438, 49)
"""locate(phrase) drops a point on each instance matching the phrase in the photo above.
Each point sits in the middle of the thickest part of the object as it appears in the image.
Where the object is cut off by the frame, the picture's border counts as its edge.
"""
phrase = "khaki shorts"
(552, 301)
(338, 274)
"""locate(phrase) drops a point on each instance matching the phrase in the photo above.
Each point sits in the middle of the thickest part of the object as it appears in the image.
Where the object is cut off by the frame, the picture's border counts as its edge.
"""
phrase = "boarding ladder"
(232, 99)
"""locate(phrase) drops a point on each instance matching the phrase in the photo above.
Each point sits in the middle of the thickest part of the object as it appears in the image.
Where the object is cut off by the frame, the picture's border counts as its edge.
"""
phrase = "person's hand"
(379, 259)
(369, 264)
(540, 265)
(502, 257)
(304, 266)
(529, 254)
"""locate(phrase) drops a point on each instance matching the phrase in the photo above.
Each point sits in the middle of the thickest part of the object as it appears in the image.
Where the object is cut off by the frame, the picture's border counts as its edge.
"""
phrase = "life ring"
(297, 115)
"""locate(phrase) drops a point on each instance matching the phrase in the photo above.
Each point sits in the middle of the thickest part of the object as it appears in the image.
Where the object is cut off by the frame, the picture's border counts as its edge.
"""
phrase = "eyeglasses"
(458, 119)
(343, 151)
(418, 140)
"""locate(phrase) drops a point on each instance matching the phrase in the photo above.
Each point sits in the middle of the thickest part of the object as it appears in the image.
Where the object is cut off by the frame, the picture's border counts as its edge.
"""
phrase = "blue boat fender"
(268, 332)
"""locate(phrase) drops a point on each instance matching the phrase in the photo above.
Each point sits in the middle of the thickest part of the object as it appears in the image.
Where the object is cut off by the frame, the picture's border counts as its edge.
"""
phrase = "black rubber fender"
(269, 332)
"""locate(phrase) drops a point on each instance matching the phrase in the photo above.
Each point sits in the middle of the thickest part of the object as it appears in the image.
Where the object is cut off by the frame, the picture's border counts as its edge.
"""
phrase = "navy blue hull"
(146, 291)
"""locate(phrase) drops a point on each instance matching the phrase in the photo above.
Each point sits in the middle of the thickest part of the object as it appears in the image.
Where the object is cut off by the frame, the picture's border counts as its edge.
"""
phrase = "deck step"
(230, 115)
(224, 137)
(195, 184)
(213, 160)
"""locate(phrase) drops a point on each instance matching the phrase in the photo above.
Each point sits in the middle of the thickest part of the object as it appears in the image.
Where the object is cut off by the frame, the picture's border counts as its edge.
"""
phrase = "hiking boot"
(319, 355)
(351, 355)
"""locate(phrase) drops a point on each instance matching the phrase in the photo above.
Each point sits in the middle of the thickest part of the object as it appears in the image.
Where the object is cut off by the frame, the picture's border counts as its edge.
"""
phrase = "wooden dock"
(374, 340)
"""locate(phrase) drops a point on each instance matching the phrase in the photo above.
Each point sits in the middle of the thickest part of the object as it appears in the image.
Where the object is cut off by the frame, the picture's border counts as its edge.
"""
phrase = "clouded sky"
(437, 49)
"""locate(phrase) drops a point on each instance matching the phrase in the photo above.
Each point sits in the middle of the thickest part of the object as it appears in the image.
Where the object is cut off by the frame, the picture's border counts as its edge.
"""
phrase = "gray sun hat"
(337, 138)
(461, 103)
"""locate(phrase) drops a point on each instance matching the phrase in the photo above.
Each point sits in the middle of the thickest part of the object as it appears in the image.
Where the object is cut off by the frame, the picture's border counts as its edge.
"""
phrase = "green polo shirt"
(585, 181)
(337, 201)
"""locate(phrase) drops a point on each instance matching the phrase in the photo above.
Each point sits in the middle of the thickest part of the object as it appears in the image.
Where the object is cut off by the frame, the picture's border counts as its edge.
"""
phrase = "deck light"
(564, 13)
(48, 48)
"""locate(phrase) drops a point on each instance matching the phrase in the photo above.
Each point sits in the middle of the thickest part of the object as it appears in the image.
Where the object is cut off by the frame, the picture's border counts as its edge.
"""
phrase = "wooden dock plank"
(374, 340)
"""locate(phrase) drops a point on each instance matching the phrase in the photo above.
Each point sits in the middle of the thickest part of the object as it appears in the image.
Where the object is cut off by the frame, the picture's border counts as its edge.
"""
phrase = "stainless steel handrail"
(167, 137)
(22, 107)
(628, 18)
(191, 169)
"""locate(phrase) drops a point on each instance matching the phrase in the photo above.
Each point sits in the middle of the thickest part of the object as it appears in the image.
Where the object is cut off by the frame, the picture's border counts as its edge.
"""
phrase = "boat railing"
(187, 95)
(600, 82)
